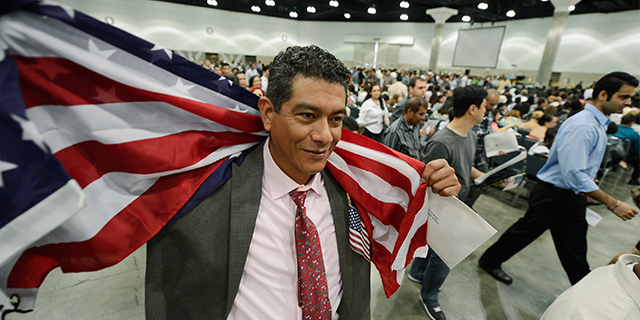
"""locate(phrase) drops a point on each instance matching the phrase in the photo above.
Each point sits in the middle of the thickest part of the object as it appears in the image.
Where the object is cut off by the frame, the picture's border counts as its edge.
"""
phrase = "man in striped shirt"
(403, 135)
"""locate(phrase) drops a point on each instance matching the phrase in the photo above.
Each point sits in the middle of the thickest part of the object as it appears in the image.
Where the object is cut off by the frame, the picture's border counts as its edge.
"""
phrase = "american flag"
(358, 235)
(146, 134)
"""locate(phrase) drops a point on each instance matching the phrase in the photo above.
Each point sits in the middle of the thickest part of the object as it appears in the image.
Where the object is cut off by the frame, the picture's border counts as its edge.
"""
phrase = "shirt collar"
(277, 184)
(604, 120)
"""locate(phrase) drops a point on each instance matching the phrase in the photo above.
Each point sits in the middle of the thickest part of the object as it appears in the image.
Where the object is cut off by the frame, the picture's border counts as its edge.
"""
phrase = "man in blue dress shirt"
(558, 201)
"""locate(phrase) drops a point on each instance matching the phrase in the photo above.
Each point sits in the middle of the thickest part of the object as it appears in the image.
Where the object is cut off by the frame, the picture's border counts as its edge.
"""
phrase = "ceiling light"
(404, 4)
(347, 15)
(371, 10)
(404, 17)
(466, 18)
(255, 8)
(511, 13)
(270, 3)
(293, 14)
(544, 0)
(571, 8)
(334, 3)
(212, 2)
(483, 6)
(311, 9)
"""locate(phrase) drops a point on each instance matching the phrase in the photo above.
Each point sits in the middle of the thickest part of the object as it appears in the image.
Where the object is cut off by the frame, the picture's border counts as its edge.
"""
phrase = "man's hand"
(624, 210)
(442, 178)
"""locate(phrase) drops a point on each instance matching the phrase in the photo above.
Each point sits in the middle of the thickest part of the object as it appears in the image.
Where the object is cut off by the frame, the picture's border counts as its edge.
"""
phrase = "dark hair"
(544, 119)
(224, 64)
(380, 98)
(628, 119)
(612, 82)
(550, 136)
(350, 124)
(464, 97)
(399, 77)
(309, 61)
(415, 103)
(412, 82)
(250, 83)
(612, 128)
(575, 105)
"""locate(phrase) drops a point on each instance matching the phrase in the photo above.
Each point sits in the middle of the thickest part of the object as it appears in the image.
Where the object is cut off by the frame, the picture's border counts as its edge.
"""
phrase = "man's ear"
(266, 112)
(472, 110)
(603, 95)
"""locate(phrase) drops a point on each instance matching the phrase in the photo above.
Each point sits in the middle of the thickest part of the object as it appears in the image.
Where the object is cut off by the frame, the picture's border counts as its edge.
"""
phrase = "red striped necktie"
(313, 292)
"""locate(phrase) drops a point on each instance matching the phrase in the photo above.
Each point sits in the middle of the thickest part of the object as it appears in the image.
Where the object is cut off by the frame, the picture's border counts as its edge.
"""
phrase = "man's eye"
(338, 120)
(307, 115)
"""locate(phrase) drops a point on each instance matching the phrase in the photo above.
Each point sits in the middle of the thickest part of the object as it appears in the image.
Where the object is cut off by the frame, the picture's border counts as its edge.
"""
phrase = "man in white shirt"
(251, 72)
(234, 255)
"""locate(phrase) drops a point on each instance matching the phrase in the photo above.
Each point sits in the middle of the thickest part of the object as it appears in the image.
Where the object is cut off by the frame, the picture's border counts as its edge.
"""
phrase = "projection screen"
(478, 47)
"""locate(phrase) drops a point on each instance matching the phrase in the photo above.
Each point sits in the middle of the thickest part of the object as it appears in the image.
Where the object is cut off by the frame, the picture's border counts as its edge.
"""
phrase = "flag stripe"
(133, 227)
(88, 161)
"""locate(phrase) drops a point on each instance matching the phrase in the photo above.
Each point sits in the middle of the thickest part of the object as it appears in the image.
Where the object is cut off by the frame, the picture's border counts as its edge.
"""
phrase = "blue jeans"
(433, 271)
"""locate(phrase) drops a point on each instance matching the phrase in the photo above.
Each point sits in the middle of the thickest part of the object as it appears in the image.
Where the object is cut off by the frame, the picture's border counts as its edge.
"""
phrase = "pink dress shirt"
(269, 285)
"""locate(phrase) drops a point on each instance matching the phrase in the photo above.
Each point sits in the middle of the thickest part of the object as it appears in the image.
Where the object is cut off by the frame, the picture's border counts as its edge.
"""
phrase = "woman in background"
(373, 114)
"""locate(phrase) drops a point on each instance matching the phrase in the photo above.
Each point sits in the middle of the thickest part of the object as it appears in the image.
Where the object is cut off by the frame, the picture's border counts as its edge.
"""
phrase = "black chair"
(533, 165)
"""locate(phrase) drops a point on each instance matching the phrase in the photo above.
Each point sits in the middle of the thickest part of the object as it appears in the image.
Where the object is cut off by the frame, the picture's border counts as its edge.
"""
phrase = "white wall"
(592, 43)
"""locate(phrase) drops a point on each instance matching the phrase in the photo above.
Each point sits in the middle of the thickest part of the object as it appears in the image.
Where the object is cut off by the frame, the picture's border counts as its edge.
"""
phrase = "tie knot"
(298, 197)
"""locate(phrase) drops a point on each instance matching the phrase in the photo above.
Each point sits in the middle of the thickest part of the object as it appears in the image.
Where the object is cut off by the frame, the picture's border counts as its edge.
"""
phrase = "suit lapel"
(246, 191)
(338, 200)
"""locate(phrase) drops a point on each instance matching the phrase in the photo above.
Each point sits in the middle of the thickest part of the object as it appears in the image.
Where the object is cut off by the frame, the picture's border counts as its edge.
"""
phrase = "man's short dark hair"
(309, 61)
(415, 103)
(224, 64)
(628, 119)
(612, 82)
(399, 77)
(412, 82)
(464, 97)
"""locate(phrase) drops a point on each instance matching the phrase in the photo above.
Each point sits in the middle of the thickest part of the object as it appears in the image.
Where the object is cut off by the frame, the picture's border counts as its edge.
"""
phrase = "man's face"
(242, 80)
(481, 112)
(416, 117)
(618, 101)
(307, 128)
(217, 70)
(492, 101)
(419, 89)
(226, 69)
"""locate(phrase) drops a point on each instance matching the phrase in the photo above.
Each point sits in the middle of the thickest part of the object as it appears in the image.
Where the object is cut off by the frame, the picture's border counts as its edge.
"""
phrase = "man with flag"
(148, 135)
(237, 255)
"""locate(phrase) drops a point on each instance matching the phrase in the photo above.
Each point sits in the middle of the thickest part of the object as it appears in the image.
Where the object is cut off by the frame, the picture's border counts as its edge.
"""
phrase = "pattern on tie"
(313, 292)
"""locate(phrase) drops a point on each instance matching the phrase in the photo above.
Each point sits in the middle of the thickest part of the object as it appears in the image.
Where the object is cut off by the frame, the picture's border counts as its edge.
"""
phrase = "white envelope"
(454, 230)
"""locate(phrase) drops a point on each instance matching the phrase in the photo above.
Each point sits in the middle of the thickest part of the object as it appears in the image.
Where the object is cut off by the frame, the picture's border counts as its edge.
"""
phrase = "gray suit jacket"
(194, 266)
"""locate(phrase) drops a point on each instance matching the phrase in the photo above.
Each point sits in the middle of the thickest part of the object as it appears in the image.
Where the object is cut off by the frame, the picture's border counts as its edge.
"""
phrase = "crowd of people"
(431, 117)
(568, 126)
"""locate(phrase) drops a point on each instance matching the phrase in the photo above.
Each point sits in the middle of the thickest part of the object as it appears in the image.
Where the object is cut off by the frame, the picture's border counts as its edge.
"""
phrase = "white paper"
(593, 218)
(505, 141)
(454, 230)
(514, 160)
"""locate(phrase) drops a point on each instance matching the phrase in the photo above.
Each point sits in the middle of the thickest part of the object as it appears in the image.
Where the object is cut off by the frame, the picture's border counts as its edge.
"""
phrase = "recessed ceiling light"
(511, 13)
(466, 18)
(404, 4)
(255, 8)
(404, 17)
(212, 2)
(270, 3)
(483, 6)
(347, 15)
(293, 14)
(311, 9)
(334, 3)
(571, 8)
(371, 10)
